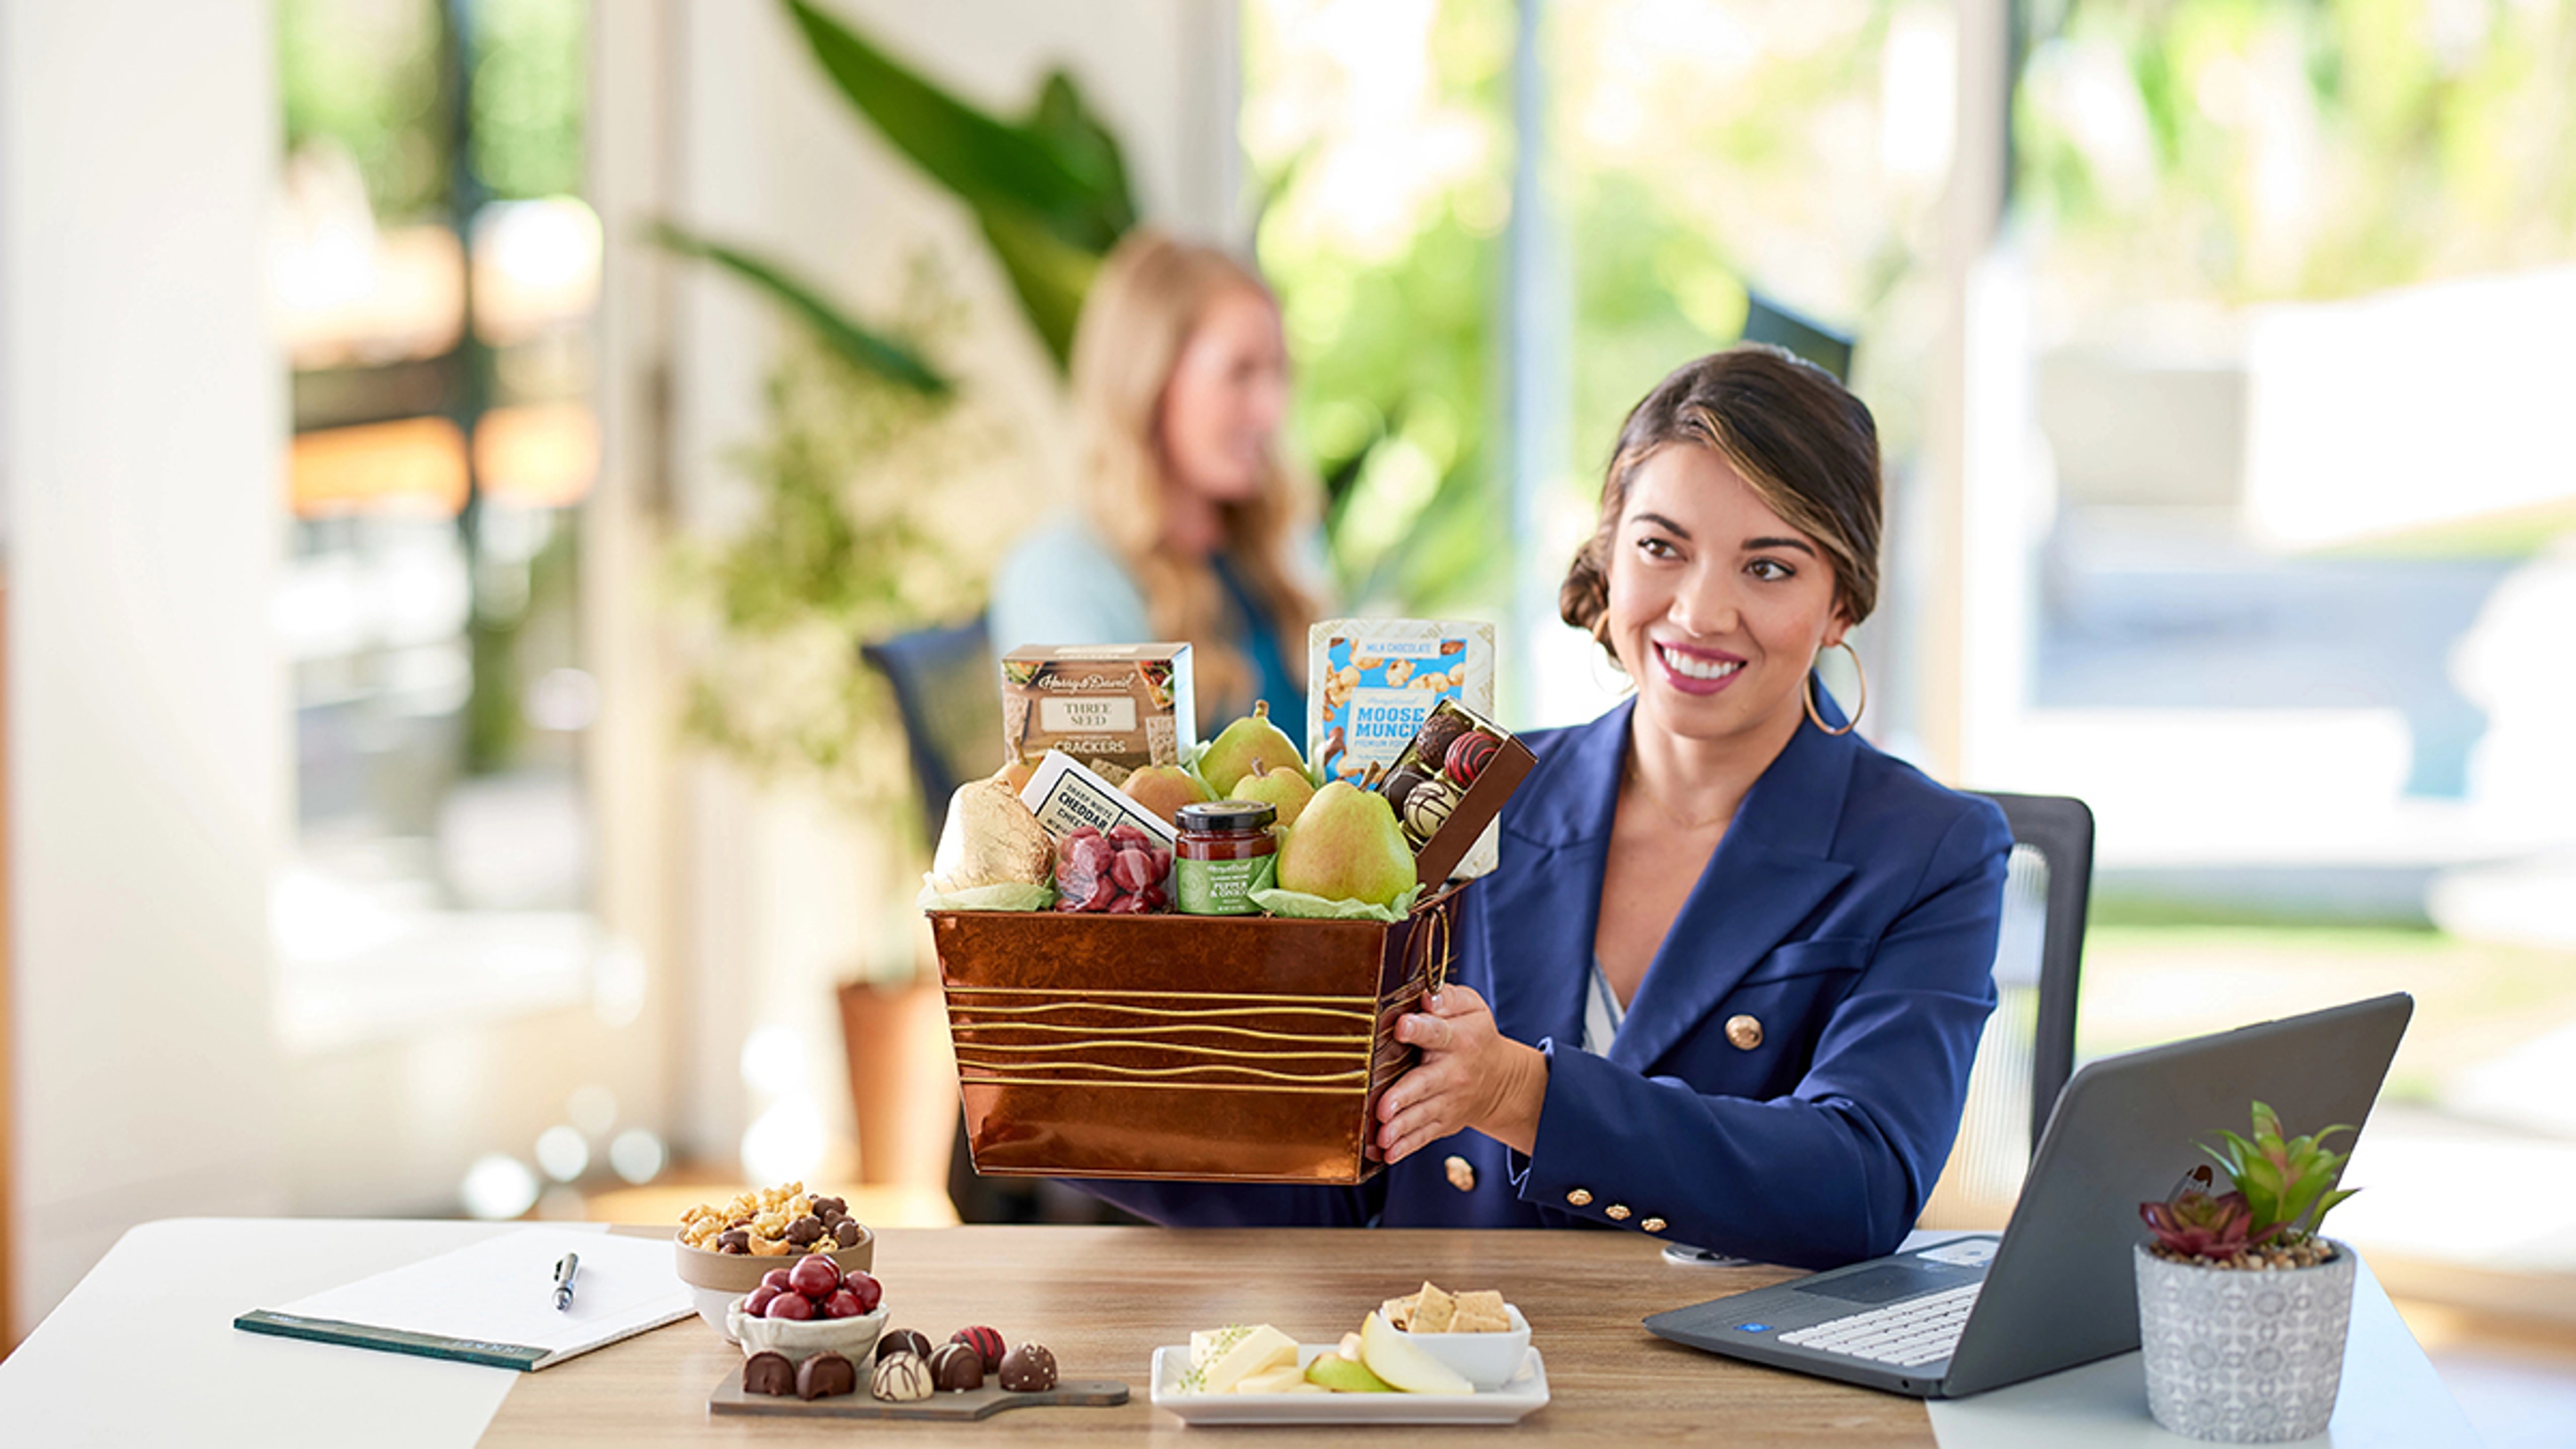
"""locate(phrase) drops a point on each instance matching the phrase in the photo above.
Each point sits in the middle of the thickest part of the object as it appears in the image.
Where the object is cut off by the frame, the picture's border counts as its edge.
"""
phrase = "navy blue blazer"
(1851, 909)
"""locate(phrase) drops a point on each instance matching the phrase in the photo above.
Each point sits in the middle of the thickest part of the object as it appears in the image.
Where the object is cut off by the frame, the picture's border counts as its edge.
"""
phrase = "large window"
(436, 276)
(2299, 280)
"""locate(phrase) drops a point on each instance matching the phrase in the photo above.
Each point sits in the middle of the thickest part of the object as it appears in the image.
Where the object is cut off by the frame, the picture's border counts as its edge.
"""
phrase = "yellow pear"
(1347, 847)
(1283, 790)
(1252, 737)
(1164, 789)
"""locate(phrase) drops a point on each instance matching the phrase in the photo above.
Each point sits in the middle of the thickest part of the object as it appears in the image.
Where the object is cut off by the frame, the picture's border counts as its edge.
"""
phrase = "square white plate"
(1523, 1395)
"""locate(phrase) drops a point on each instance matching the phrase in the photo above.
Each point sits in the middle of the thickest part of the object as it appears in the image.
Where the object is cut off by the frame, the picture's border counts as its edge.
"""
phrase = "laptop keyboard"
(1916, 1331)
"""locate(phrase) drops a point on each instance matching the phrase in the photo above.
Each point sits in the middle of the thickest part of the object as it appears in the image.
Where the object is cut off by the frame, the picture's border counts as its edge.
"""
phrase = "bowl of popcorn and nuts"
(725, 1249)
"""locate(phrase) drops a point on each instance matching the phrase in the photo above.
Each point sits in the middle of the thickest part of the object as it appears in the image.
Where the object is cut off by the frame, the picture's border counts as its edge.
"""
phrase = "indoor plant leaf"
(867, 349)
(1068, 190)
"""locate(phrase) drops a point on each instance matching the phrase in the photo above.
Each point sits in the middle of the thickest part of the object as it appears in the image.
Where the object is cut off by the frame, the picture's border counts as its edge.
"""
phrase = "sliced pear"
(1404, 1365)
(1349, 1347)
(1345, 1376)
(1287, 1378)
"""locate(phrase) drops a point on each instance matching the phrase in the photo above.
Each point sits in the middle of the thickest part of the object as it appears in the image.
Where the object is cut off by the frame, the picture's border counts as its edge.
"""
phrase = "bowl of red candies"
(808, 1307)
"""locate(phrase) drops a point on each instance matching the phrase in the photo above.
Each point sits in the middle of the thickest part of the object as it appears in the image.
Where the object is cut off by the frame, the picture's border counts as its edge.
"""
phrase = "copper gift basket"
(1199, 1048)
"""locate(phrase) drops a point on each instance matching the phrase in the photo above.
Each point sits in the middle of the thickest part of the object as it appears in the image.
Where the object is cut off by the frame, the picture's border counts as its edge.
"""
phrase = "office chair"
(2028, 1050)
(949, 696)
(1766, 320)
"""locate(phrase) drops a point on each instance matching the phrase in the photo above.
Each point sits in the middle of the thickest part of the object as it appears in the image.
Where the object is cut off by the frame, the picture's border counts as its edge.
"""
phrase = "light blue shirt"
(1063, 584)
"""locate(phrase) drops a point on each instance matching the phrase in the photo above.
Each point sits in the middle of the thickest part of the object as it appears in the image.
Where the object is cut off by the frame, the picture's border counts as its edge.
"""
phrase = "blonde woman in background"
(1187, 523)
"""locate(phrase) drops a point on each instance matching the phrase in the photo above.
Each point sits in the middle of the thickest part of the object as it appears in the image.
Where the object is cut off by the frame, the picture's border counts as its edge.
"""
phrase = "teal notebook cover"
(492, 1302)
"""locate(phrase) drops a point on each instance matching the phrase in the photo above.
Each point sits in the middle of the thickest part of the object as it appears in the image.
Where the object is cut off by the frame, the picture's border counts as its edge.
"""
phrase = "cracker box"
(1372, 682)
(1115, 707)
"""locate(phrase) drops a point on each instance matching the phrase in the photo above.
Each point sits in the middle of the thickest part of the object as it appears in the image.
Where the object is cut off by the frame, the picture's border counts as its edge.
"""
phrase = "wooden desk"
(143, 1352)
(1104, 1298)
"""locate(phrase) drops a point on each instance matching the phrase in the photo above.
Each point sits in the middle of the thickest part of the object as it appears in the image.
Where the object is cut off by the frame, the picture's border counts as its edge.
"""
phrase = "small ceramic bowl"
(716, 1279)
(1487, 1360)
(800, 1339)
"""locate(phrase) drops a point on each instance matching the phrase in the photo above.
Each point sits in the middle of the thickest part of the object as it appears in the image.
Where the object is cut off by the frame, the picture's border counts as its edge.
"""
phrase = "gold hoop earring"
(1808, 695)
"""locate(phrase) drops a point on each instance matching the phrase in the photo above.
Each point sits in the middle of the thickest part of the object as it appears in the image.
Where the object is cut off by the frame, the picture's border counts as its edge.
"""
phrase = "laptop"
(2057, 1287)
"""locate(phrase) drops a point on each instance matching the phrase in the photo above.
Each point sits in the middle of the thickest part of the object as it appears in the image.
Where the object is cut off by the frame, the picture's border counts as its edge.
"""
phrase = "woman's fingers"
(1427, 1032)
(1453, 1001)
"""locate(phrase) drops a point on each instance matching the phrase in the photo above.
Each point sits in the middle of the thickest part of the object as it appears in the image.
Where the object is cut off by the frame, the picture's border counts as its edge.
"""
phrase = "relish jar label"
(1223, 887)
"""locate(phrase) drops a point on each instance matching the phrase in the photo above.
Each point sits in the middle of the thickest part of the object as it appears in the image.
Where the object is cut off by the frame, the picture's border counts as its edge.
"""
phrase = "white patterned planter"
(2243, 1357)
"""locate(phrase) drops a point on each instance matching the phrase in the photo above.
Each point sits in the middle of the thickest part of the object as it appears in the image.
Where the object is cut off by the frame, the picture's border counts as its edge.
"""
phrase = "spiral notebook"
(493, 1302)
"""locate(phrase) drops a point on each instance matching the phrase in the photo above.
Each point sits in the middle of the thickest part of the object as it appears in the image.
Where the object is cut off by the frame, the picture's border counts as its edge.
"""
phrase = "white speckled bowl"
(852, 1338)
(1487, 1360)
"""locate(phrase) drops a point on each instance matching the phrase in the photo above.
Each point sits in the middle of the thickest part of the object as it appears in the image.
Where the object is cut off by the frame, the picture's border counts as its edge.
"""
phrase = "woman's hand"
(1470, 1075)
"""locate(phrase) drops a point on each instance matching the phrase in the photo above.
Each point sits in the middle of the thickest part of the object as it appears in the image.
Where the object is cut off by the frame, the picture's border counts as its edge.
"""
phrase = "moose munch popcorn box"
(1371, 682)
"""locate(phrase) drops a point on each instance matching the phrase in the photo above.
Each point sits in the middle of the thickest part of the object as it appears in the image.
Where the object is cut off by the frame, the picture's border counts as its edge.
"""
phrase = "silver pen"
(564, 1269)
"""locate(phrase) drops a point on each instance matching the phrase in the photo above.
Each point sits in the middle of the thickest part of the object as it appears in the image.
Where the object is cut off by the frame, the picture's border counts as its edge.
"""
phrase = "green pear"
(1164, 789)
(1240, 743)
(1285, 791)
(1345, 1376)
(1347, 847)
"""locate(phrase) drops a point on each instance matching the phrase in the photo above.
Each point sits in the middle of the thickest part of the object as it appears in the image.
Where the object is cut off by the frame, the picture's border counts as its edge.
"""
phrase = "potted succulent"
(2242, 1304)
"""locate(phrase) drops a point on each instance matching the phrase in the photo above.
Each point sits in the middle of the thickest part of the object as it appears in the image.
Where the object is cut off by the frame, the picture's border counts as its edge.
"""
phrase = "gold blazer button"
(1744, 1032)
(1462, 1173)
(1616, 1212)
(1652, 1225)
(1580, 1197)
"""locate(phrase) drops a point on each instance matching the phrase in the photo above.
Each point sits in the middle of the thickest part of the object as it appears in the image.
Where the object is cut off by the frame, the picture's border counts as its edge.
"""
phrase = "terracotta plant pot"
(903, 1082)
(2244, 1357)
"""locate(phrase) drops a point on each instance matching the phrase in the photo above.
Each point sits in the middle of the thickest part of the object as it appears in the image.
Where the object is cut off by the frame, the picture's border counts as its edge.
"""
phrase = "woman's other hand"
(1470, 1075)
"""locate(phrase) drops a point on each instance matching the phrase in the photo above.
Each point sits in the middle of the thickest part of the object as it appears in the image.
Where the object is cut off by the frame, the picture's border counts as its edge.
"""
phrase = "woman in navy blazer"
(1727, 983)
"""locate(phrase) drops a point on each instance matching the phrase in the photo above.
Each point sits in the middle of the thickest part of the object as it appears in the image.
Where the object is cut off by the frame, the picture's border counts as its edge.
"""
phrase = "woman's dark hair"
(1803, 443)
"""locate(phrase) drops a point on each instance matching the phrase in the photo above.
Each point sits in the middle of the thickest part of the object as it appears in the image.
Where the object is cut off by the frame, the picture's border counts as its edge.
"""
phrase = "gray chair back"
(947, 690)
(2028, 1050)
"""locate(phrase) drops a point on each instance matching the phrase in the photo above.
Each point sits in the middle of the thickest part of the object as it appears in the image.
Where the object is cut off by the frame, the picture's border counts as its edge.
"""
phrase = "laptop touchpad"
(1883, 1284)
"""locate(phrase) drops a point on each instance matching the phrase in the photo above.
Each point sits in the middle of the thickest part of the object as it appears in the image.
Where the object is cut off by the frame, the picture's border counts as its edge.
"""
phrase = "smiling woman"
(1727, 984)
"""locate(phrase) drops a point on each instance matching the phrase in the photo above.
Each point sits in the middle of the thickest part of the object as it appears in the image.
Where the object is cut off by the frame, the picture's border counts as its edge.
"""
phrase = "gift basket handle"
(1435, 964)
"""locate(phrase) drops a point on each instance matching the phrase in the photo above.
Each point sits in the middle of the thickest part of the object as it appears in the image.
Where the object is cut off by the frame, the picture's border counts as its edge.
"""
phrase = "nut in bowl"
(725, 1250)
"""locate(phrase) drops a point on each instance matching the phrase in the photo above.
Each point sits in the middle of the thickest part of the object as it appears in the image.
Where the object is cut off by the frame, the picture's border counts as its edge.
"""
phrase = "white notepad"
(493, 1303)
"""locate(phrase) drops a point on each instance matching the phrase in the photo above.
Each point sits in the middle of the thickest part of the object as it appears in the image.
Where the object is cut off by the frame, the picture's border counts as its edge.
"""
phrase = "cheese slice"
(1234, 1354)
(1286, 1378)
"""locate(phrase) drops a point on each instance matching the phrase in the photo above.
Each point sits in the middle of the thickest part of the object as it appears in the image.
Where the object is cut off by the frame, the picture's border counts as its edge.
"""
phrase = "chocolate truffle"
(904, 1340)
(1399, 785)
(1439, 728)
(1028, 1369)
(957, 1368)
(1427, 809)
(824, 1375)
(986, 1343)
(901, 1377)
(1468, 755)
(768, 1373)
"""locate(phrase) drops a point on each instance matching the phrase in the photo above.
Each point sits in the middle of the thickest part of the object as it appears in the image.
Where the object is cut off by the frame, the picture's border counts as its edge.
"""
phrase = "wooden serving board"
(982, 1403)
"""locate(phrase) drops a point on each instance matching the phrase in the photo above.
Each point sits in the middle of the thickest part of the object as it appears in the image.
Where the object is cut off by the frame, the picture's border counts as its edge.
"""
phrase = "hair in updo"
(1805, 446)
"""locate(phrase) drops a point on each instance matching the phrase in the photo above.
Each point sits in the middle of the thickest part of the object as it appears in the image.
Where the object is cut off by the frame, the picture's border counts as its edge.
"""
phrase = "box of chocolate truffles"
(1449, 784)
